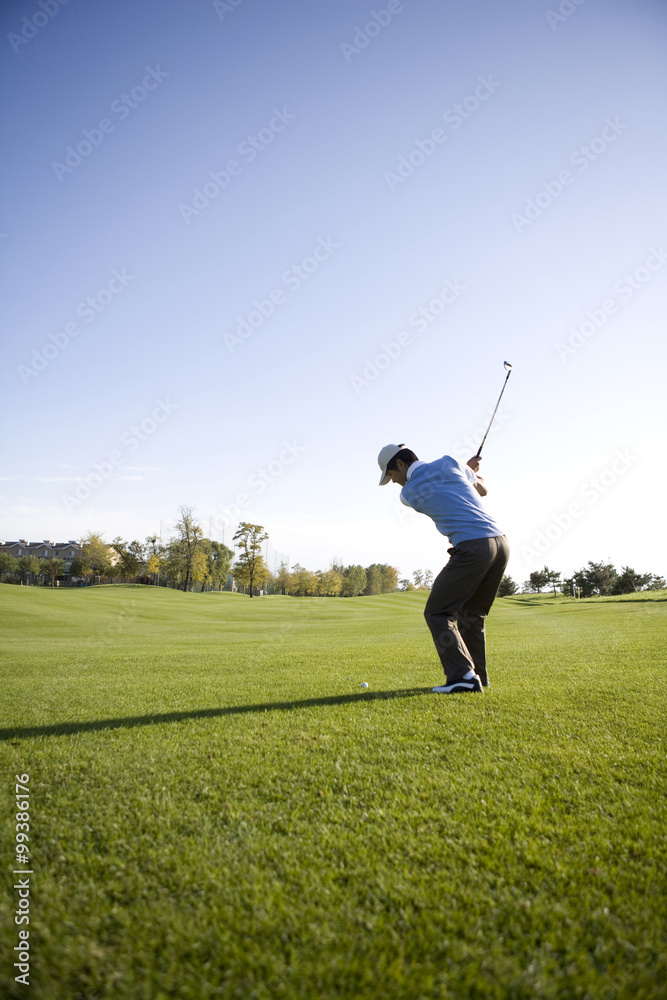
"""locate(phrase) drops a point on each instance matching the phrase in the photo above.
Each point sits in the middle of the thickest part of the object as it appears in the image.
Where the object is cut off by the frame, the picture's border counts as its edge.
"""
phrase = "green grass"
(219, 810)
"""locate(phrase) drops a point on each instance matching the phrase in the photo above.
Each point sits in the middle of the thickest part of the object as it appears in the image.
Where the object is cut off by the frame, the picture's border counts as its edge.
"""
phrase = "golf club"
(508, 369)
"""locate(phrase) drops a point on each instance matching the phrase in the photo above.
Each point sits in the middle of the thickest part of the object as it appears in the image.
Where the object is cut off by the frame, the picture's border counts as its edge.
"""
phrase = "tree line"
(127, 562)
(191, 561)
(594, 579)
(337, 581)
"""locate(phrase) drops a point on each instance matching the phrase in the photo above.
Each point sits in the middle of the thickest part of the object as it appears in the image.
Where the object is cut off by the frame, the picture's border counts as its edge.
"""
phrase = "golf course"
(218, 809)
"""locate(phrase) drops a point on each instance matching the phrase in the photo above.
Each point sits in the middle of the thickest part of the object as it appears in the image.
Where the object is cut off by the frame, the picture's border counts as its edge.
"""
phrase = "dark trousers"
(459, 602)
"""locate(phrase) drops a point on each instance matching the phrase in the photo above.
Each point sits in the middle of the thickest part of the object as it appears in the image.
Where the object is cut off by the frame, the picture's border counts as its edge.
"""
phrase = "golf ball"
(364, 685)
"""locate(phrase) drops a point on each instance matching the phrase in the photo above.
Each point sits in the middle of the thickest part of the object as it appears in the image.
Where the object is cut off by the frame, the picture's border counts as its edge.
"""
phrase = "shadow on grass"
(70, 728)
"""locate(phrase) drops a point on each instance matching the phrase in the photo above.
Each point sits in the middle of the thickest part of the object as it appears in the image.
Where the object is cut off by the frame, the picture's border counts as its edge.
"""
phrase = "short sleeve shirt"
(445, 492)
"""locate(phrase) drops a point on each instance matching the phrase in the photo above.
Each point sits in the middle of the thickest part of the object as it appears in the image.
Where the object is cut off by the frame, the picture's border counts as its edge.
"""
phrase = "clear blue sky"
(515, 153)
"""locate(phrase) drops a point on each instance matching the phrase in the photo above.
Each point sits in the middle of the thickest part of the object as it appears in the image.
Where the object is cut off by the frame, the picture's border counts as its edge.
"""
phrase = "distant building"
(67, 551)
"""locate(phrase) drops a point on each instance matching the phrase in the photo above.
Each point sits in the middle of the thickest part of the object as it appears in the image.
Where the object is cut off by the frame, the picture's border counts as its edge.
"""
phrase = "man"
(464, 591)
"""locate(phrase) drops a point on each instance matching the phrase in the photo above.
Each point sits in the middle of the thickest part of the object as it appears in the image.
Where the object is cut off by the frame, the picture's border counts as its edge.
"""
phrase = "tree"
(406, 585)
(389, 579)
(174, 563)
(373, 579)
(189, 539)
(629, 581)
(199, 567)
(80, 569)
(423, 579)
(601, 577)
(542, 578)
(657, 583)
(219, 562)
(250, 566)
(595, 578)
(337, 565)
(354, 581)
(130, 557)
(303, 583)
(28, 566)
(507, 587)
(54, 568)
(578, 583)
(294, 580)
(310, 583)
(330, 583)
(282, 579)
(96, 556)
(115, 571)
(260, 575)
(155, 559)
(538, 579)
(153, 567)
(9, 564)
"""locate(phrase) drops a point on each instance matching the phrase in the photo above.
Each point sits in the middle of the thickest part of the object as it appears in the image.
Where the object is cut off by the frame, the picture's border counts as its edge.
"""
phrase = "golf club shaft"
(479, 450)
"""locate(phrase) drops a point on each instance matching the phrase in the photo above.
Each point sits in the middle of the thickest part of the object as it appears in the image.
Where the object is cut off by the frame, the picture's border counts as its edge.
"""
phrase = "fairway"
(218, 810)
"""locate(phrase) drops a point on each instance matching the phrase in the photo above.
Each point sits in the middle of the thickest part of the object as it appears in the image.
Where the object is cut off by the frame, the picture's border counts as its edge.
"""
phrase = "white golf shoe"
(458, 687)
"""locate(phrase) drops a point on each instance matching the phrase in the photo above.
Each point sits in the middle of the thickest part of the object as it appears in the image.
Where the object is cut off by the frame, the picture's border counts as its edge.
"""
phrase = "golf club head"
(508, 367)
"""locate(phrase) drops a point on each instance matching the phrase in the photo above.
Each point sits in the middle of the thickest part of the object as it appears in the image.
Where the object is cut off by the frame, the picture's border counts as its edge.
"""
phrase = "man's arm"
(479, 483)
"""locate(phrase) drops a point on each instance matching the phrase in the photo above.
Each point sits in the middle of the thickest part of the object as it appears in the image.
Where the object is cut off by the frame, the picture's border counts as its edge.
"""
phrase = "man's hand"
(479, 483)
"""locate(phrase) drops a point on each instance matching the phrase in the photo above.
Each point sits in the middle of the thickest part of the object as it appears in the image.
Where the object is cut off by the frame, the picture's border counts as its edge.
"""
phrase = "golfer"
(462, 594)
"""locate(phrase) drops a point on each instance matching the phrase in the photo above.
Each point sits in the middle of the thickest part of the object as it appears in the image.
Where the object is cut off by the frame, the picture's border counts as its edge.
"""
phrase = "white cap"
(385, 457)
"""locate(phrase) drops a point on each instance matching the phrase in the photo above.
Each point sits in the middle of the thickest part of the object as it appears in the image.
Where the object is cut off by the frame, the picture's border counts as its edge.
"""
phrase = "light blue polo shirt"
(445, 492)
